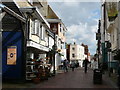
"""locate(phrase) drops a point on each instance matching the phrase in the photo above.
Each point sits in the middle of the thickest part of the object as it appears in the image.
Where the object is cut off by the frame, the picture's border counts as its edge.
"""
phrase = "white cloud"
(81, 34)
(81, 20)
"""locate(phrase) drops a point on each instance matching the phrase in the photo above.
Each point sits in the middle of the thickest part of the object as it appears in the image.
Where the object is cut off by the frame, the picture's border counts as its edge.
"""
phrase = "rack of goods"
(30, 67)
(36, 70)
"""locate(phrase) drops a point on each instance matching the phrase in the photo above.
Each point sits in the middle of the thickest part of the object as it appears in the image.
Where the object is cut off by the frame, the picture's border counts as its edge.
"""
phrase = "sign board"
(11, 55)
(98, 36)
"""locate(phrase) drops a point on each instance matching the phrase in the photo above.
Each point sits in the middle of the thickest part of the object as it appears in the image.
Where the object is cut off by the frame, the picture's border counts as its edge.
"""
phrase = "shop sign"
(98, 36)
(11, 55)
(38, 46)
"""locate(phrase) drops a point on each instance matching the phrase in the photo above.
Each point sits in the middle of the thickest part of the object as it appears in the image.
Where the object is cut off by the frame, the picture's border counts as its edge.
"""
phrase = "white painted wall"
(78, 51)
(51, 42)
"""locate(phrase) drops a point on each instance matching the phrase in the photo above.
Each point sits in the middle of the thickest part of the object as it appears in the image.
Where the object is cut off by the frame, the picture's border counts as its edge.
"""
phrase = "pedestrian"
(119, 76)
(65, 65)
(95, 64)
(72, 65)
(85, 64)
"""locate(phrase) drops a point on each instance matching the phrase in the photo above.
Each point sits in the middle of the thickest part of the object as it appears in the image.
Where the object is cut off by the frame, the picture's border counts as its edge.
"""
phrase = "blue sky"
(81, 20)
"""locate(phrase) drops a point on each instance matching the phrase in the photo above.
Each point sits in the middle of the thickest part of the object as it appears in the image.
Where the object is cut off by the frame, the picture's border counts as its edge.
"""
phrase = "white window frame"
(33, 27)
(43, 33)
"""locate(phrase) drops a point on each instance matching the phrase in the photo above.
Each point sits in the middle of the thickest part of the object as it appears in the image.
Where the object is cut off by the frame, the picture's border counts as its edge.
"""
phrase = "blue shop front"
(13, 26)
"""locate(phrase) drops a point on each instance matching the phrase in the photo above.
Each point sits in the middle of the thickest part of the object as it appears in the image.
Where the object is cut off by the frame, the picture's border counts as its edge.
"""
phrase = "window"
(40, 29)
(33, 27)
(73, 55)
(37, 27)
(43, 33)
(73, 48)
(63, 34)
(61, 46)
(60, 28)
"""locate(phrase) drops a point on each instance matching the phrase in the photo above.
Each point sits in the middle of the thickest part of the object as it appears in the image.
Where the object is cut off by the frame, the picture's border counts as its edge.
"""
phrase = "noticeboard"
(11, 55)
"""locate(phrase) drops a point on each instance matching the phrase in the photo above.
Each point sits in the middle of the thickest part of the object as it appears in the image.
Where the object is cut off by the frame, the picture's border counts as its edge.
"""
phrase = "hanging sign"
(98, 36)
(11, 55)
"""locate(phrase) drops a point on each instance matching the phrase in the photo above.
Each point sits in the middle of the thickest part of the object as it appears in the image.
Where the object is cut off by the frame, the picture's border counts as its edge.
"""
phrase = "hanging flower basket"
(112, 11)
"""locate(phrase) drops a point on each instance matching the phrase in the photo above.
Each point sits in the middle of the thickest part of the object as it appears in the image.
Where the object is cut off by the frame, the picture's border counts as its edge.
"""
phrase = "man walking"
(72, 65)
(65, 65)
(85, 64)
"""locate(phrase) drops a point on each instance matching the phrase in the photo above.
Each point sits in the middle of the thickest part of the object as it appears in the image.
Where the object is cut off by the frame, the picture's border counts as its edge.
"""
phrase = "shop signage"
(11, 55)
(38, 46)
(98, 36)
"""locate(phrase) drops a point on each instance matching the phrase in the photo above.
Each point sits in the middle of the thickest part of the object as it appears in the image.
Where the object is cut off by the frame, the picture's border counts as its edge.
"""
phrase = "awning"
(11, 12)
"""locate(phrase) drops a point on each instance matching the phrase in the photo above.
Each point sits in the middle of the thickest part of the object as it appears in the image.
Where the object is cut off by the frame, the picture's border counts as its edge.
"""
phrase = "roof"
(11, 12)
(51, 14)
(26, 7)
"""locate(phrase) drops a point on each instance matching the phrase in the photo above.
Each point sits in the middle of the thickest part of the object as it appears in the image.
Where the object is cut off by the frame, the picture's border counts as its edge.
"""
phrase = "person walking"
(95, 64)
(72, 65)
(85, 64)
(65, 65)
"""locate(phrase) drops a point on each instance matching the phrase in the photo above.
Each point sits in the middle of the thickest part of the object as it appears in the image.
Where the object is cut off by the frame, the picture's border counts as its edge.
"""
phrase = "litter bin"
(97, 76)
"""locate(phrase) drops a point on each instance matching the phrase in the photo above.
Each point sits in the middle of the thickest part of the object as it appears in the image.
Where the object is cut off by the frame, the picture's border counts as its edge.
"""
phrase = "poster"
(11, 55)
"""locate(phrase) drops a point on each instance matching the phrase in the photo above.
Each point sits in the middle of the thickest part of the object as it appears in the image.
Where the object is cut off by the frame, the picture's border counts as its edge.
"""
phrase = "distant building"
(87, 54)
(75, 53)
(60, 35)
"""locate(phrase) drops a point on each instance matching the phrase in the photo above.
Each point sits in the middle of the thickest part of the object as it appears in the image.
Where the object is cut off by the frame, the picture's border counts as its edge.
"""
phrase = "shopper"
(72, 65)
(85, 64)
(65, 65)
(95, 64)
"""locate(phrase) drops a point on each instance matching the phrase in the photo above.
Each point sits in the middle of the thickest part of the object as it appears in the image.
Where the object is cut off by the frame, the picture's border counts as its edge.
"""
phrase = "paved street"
(76, 79)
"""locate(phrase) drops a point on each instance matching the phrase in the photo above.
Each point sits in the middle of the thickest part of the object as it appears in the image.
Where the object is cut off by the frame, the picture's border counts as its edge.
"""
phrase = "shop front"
(37, 63)
(12, 44)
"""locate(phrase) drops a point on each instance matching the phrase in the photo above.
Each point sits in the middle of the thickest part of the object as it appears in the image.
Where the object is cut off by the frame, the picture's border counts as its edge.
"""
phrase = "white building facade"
(77, 53)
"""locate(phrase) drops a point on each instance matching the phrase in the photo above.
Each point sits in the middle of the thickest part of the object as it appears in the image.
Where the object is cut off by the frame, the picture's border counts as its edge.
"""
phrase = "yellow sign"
(11, 55)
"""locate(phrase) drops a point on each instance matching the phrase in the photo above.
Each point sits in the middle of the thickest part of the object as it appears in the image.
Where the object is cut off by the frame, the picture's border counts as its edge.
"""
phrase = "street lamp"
(54, 48)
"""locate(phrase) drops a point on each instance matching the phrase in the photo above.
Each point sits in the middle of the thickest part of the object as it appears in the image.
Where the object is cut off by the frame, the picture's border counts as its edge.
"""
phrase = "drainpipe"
(25, 38)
